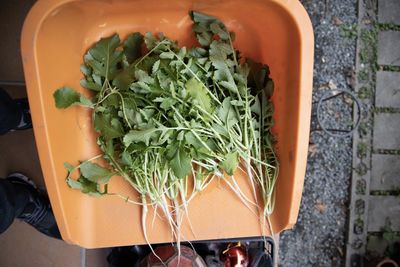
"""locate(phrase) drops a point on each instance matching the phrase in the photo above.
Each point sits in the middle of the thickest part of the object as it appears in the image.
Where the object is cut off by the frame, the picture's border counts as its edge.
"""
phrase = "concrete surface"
(387, 89)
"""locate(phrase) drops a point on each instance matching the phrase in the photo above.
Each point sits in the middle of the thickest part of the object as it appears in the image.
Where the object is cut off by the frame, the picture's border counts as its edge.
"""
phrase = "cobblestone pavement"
(374, 223)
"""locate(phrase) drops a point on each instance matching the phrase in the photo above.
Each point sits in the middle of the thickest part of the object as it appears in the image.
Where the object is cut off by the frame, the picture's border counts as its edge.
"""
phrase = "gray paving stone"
(389, 48)
(385, 174)
(381, 209)
(386, 131)
(387, 89)
(389, 11)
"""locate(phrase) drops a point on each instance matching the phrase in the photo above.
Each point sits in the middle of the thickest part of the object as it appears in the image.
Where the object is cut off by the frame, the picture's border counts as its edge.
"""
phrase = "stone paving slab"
(385, 172)
(389, 11)
(381, 209)
(386, 131)
(389, 48)
(388, 88)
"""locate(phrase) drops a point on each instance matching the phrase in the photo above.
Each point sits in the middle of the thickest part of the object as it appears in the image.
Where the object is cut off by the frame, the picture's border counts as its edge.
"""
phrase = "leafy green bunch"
(173, 118)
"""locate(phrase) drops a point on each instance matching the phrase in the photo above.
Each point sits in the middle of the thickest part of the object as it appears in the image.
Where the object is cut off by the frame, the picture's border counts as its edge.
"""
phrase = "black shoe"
(26, 121)
(37, 211)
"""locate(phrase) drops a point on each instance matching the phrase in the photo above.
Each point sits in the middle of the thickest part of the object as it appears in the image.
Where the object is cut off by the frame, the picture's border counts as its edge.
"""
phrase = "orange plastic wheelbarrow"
(56, 35)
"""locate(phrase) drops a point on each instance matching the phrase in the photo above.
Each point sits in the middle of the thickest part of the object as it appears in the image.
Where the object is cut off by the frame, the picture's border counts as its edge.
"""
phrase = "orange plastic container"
(56, 35)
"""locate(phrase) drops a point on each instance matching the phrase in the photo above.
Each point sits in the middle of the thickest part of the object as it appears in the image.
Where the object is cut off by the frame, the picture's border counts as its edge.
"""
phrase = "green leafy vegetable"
(65, 97)
(95, 173)
(170, 116)
(230, 163)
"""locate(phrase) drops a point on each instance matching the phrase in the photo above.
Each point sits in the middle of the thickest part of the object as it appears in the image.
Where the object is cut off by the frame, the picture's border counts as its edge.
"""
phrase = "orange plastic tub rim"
(56, 35)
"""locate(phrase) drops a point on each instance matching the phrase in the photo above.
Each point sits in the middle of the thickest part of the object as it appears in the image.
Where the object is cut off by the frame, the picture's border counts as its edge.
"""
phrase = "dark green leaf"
(95, 173)
(85, 186)
(65, 97)
(104, 57)
(202, 18)
(218, 28)
(181, 164)
(124, 79)
(133, 46)
(108, 126)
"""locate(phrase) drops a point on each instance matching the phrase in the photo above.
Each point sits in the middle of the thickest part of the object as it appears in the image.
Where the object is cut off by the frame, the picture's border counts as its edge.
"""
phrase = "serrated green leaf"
(224, 78)
(167, 103)
(218, 28)
(167, 55)
(181, 164)
(202, 18)
(85, 70)
(144, 136)
(104, 57)
(90, 85)
(199, 93)
(155, 67)
(95, 173)
(108, 126)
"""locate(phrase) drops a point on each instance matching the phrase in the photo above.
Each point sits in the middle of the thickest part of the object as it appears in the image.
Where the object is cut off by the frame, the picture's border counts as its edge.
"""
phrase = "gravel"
(318, 238)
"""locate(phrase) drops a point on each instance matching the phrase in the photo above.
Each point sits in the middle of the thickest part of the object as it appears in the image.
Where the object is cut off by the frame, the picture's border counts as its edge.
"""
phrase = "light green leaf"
(227, 113)
(135, 136)
(199, 93)
(95, 173)
(230, 163)
(85, 101)
(167, 55)
(74, 184)
(86, 70)
(68, 166)
(155, 67)
(167, 103)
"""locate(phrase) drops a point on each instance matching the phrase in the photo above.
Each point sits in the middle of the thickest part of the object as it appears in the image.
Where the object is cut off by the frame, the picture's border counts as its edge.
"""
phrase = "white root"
(144, 226)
